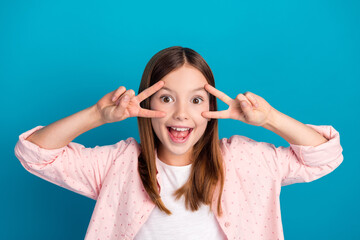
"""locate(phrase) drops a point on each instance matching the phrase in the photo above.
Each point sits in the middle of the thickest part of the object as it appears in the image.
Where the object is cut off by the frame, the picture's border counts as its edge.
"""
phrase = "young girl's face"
(183, 98)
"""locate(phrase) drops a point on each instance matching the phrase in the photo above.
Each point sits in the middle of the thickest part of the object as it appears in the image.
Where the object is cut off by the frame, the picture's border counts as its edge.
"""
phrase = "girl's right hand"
(121, 104)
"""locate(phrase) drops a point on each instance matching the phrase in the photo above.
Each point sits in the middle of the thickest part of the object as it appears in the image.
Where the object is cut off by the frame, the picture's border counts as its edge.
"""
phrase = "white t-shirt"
(182, 224)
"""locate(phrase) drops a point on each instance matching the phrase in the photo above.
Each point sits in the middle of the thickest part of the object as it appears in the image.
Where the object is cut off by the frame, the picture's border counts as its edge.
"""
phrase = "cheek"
(197, 113)
(200, 121)
(156, 123)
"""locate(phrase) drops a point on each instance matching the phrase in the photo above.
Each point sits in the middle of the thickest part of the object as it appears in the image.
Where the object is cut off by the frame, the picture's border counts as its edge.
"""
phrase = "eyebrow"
(194, 90)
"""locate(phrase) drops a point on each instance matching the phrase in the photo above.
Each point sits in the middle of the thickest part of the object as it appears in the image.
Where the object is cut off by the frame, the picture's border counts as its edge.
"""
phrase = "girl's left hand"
(256, 111)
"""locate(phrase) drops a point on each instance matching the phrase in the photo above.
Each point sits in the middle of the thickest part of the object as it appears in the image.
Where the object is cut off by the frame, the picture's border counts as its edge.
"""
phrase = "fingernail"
(243, 104)
(126, 98)
(114, 98)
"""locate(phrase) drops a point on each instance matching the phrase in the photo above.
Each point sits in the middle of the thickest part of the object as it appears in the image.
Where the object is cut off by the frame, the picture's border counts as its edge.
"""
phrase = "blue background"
(59, 57)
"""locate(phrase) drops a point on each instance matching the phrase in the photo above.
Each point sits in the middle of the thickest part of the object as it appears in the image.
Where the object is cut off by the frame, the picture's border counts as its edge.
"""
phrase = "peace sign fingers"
(234, 111)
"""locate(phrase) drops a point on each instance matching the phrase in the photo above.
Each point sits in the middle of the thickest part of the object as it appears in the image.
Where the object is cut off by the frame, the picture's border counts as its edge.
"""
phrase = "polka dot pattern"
(255, 173)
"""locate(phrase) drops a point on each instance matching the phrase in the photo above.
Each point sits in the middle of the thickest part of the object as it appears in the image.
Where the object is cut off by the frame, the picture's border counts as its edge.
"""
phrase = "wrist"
(272, 120)
(96, 116)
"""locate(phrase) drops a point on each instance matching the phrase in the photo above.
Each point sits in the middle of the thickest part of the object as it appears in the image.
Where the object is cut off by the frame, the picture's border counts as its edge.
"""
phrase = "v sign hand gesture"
(248, 108)
(121, 104)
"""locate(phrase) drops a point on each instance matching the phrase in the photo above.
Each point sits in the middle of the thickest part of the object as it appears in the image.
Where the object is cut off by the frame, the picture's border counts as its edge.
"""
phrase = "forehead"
(185, 78)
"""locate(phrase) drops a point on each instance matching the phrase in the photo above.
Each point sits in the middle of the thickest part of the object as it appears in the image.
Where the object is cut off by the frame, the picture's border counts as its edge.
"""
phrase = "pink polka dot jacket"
(255, 172)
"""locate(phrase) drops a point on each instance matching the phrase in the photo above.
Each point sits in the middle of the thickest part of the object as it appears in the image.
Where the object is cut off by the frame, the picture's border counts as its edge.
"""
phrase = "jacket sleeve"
(296, 163)
(307, 163)
(73, 167)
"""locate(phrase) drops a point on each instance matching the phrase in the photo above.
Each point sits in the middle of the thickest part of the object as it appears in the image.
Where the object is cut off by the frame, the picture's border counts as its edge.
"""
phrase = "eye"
(197, 100)
(165, 99)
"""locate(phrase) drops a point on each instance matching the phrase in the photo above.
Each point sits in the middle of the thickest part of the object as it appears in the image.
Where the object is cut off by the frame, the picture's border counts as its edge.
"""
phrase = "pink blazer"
(255, 172)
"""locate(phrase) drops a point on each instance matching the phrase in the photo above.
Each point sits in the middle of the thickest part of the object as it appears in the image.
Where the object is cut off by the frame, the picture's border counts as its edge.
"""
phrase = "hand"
(121, 104)
(256, 111)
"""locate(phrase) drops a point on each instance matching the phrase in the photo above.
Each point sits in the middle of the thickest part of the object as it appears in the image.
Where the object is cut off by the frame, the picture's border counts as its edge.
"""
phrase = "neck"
(173, 159)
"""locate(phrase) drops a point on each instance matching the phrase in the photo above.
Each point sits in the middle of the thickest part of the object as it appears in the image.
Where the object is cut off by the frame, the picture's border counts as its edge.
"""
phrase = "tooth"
(180, 129)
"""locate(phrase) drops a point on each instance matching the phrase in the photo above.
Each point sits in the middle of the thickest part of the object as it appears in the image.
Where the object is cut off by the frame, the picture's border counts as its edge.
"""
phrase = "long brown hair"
(207, 170)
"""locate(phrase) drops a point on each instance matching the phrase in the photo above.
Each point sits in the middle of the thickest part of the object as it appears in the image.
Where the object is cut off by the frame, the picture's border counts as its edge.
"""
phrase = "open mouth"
(179, 135)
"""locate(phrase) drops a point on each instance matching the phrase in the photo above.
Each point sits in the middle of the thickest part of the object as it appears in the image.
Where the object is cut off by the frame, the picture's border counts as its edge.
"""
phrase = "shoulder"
(124, 153)
(236, 142)
(129, 145)
(243, 147)
(123, 148)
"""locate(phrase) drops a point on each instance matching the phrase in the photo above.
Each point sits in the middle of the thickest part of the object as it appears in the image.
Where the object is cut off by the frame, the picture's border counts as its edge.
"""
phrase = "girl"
(181, 181)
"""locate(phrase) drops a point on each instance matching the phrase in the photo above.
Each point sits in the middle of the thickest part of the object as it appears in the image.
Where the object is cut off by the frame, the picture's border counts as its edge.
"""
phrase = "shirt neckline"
(186, 167)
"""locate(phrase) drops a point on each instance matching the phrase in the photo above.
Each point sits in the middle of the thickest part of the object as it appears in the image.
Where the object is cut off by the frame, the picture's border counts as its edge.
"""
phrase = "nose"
(180, 111)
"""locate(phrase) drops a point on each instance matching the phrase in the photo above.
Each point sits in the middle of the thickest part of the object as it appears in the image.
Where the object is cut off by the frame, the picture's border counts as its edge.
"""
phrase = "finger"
(252, 97)
(247, 109)
(150, 91)
(122, 103)
(216, 114)
(241, 97)
(217, 93)
(117, 93)
(245, 105)
(151, 113)
(129, 93)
